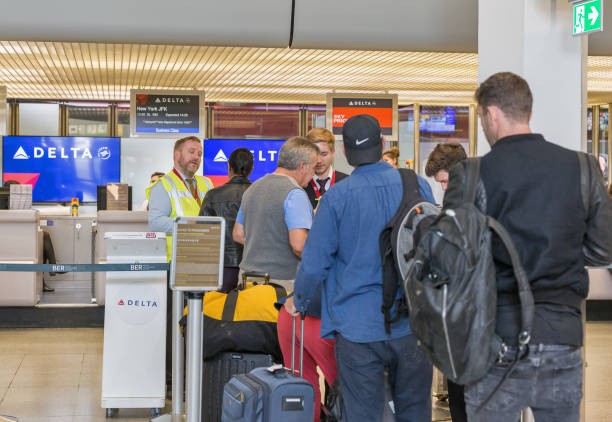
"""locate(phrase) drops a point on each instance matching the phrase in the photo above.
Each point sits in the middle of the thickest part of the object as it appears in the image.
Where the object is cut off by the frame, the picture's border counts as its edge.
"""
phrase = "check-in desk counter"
(21, 242)
(72, 242)
(114, 221)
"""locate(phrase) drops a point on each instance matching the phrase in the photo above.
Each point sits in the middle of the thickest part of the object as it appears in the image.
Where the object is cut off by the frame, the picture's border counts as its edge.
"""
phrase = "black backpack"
(451, 290)
(394, 243)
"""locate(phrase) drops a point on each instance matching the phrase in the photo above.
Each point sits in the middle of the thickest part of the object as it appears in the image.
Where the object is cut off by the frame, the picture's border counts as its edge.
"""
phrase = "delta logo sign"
(59, 168)
(137, 304)
(142, 303)
(217, 152)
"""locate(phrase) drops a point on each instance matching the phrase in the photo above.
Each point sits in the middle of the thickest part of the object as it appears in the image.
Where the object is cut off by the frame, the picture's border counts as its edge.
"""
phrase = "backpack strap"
(585, 181)
(472, 179)
(527, 305)
(390, 278)
(524, 289)
(410, 184)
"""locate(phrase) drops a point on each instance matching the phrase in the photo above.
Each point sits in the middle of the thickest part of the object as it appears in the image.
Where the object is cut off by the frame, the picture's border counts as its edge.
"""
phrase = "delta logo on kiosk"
(137, 304)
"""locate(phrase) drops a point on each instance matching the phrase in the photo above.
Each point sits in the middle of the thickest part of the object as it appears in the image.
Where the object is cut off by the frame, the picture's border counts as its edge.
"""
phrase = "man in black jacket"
(224, 201)
(325, 175)
(534, 189)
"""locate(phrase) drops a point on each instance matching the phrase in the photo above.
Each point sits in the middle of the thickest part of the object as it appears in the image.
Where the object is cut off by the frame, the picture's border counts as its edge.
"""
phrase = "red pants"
(317, 352)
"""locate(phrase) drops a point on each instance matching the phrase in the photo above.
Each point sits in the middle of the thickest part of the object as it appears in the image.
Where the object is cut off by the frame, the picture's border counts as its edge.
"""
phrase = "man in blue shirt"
(342, 254)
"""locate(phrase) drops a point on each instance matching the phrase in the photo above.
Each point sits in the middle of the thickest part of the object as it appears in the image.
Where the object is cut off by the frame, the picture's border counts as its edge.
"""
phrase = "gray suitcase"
(218, 370)
(270, 395)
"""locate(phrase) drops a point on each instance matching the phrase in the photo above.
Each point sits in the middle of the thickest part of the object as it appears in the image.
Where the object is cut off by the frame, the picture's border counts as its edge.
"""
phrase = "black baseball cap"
(362, 140)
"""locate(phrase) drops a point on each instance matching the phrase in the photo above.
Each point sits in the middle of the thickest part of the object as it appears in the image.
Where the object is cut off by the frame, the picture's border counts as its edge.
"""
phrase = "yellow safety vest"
(182, 201)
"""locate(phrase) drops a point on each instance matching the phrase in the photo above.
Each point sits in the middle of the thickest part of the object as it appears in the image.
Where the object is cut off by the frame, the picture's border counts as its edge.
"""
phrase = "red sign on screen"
(345, 108)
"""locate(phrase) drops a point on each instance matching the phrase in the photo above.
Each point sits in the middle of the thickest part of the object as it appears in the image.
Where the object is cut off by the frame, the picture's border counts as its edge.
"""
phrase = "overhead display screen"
(443, 121)
(61, 168)
(341, 107)
(166, 113)
(217, 152)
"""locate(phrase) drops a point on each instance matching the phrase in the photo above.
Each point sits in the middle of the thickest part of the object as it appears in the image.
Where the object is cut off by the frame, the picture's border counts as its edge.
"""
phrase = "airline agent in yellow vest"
(179, 193)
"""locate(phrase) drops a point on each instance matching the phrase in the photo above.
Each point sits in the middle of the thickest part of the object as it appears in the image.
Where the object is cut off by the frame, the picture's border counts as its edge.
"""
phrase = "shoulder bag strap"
(229, 307)
(281, 292)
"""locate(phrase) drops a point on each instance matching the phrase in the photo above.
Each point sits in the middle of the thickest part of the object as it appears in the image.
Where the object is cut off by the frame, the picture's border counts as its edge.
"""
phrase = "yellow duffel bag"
(242, 320)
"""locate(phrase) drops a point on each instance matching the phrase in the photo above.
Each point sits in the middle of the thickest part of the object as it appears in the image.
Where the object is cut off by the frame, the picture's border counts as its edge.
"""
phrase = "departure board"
(341, 107)
(166, 113)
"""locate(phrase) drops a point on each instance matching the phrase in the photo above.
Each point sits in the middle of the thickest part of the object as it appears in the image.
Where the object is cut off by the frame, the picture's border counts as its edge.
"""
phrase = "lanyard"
(315, 186)
(195, 186)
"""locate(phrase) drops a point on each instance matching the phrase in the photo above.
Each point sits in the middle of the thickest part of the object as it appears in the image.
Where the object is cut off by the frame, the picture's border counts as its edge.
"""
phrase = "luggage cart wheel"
(111, 412)
(155, 412)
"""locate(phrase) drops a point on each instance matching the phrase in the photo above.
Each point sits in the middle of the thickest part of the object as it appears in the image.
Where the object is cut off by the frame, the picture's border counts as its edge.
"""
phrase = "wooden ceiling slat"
(52, 70)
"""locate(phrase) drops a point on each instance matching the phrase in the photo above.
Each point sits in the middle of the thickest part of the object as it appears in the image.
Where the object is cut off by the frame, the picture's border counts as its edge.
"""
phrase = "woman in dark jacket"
(224, 201)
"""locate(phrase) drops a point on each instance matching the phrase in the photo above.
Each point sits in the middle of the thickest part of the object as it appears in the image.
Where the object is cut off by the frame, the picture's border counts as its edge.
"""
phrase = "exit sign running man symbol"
(587, 17)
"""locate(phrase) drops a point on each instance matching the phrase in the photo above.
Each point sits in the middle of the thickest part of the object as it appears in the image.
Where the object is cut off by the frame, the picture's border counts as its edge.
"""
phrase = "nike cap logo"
(358, 142)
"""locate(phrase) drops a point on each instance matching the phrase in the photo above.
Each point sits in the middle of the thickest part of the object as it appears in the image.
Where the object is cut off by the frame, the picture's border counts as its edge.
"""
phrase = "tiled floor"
(54, 375)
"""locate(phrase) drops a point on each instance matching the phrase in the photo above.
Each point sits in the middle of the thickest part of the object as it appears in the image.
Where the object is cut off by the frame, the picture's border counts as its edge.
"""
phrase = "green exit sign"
(587, 17)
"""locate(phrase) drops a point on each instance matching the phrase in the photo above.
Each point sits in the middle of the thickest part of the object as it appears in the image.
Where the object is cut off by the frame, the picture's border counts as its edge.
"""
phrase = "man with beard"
(179, 193)
(559, 223)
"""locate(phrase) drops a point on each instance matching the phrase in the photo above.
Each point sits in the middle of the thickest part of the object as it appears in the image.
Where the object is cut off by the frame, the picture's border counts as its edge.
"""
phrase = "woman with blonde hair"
(391, 156)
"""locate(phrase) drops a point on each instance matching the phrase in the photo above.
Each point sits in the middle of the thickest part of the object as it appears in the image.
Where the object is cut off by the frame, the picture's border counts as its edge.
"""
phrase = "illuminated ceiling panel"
(54, 70)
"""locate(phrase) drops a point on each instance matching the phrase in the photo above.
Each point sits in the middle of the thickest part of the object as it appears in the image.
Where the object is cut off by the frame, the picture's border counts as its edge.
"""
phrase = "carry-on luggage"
(242, 320)
(218, 370)
(271, 394)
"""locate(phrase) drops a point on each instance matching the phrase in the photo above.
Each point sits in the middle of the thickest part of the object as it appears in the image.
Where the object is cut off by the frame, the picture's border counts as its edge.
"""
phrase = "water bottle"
(74, 205)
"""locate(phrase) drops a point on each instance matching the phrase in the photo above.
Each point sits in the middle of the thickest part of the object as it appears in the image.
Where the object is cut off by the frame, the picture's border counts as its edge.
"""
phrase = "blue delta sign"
(217, 152)
(61, 168)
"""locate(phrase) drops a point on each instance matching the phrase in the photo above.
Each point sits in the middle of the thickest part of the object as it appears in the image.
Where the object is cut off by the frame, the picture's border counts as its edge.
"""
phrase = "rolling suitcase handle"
(293, 339)
(248, 274)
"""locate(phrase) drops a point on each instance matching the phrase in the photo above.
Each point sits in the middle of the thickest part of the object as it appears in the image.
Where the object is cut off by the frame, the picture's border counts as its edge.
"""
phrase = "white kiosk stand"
(133, 365)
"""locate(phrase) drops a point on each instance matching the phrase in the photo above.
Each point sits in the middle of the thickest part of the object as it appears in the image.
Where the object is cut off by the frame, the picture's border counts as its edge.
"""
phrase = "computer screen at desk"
(5, 194)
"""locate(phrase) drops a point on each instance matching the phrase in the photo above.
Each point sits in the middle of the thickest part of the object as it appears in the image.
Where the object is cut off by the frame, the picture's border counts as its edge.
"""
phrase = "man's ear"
(384, 143)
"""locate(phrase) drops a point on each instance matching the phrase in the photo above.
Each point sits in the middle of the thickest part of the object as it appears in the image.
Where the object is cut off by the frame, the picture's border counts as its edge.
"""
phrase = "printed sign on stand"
(197, 253)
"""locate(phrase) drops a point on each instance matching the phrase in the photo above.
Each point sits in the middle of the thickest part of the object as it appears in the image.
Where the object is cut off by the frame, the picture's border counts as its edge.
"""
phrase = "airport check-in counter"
(21, 242)
(72, 242)
(114, 221)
